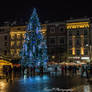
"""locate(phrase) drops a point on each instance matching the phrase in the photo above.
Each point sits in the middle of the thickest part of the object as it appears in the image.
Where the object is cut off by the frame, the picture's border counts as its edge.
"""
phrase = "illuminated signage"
(85, 58)
(73, 57)
(77, 25)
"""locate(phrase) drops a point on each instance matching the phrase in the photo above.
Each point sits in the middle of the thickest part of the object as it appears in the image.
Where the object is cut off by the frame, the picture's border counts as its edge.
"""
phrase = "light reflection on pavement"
(3, 86)
(39, 83)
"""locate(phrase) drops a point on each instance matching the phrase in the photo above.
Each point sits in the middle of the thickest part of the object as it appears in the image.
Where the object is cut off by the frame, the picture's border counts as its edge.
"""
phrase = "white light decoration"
(85, 58)
(34, 49)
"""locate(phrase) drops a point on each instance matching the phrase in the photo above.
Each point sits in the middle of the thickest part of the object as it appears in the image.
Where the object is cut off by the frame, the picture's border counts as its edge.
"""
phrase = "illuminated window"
(18, 43)
(43, 33)
(73, 26)
(12, 52)
(53, 57)
(77, 25)
(82, 51)
(73, 51)
(13, 36)
(22, 41)
(23, 36)
(17, 51)
(12, 43)
(18, 36)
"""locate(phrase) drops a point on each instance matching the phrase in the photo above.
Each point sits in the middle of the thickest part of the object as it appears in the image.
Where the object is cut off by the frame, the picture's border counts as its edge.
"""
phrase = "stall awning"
(4, 62)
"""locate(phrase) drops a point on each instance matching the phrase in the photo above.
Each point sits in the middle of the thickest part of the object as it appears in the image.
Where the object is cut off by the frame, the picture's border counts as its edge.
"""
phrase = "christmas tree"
(34, 50)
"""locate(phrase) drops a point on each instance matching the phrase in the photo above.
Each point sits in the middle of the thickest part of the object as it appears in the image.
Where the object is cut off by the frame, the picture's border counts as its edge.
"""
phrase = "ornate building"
(12, 38)
(70, 40)
(56, 41)
(78, 39)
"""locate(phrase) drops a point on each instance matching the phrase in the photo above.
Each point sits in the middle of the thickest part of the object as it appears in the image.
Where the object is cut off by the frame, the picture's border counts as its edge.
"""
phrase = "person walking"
(85, 71)
(82, 71)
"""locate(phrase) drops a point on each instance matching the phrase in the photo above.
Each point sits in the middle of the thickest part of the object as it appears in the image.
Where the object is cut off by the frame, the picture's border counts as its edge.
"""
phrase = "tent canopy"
(4, 62)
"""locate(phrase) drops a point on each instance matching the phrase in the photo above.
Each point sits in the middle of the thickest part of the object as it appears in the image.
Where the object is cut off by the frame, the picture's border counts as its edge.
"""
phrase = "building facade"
(78, 39)
(4, 41)
(56, 41)
(12, 39)
(66, 41)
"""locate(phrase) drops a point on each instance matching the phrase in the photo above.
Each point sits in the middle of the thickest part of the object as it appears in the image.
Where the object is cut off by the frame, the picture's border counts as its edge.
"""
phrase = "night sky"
(52, 10)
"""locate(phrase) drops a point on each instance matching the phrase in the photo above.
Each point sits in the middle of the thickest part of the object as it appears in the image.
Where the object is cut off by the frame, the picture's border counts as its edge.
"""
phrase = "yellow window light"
(82, 51)
(73, 51)
(18, 36)
(77, 25)
(12, 51)
(18, 43)
(12, 43)
(17, 51)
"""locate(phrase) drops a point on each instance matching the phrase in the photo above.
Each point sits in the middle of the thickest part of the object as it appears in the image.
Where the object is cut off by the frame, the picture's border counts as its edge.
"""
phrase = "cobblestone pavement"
(45, 83)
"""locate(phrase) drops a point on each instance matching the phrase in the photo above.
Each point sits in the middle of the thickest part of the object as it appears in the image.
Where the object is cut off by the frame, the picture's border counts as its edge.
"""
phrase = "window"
(62, 40)
(70, 43)
(2, 30)
(5, 52)
(17, 51)
(85, 32)
(18, 43)
(13, 36)
(61, 29)
(70, 33)
(18, 36)
(78, 52)
(12, 51)
(78, 43)
(52, 30)
(81, 32)
(18, 28)
(86, 52)
(23, 36)
(70, 52)
(22, 41)
(78, 33)
(85, 42)
(52, 41)
(12, 43)
(6, 44)
(5, 37)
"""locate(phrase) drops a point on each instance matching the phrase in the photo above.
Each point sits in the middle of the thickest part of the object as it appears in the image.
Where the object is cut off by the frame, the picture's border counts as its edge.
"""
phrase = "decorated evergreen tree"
(34, 50)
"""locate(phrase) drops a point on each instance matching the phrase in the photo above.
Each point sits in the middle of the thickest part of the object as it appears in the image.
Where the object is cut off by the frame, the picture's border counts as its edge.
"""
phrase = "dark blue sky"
(47, 9)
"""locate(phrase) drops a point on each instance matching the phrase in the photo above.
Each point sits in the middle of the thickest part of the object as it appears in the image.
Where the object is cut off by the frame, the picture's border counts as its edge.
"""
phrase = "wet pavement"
(45, 83)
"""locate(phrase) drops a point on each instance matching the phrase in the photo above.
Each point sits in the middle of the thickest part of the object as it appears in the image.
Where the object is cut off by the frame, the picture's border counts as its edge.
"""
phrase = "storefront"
(79, 59)
(5, 63)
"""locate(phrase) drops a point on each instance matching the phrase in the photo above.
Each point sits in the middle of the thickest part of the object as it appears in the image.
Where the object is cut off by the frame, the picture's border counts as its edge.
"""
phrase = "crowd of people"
(32, 70)
(82, 70)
